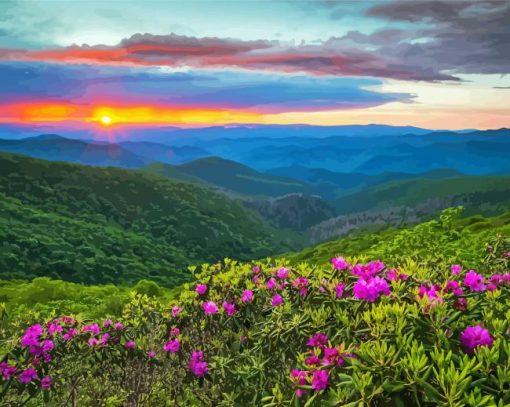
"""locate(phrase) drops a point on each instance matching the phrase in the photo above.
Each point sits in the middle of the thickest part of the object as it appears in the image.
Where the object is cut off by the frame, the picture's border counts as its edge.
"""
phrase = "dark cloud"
(455, 36)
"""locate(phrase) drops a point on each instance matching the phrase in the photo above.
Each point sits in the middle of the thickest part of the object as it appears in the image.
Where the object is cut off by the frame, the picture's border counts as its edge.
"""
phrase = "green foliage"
(108, 225)
(402, 349)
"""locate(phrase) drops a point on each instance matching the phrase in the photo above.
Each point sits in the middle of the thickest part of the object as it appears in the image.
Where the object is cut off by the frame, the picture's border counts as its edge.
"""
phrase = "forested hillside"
(98, 225)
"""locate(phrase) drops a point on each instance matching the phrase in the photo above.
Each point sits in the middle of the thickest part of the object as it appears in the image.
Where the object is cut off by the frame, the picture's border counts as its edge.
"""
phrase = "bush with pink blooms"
(350, 332)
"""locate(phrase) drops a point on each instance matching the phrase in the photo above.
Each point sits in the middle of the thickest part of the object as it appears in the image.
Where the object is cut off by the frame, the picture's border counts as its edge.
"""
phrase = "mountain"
(151, 152)
(294, 211)
(98, 225)
(230, 176)
(57, 148)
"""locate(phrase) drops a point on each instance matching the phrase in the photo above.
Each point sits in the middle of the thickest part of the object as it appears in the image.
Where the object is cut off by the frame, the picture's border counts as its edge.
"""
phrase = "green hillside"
(486, 194)
(108, 225)
(230, 175)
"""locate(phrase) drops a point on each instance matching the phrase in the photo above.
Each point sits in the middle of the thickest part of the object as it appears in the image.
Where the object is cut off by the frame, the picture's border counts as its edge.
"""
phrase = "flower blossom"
(474, 281)
(130, 345)
(46, 382)
(339, 263)
(339, 290)
(271, 283)
(201, 289)
(92, 328)
(176, 311)
(247, 296)
(475, 336)
(28, 375)
(299, 378)
(277, 300)
(456, 269)
(230, 309)
(282, 273)
(197, 364)
(320, 380)
(370, 289)
(210, 307)
(318, 340)
(172, 346)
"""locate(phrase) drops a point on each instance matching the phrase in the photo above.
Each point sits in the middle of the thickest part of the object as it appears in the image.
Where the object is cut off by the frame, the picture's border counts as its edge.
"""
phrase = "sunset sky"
(433, 64)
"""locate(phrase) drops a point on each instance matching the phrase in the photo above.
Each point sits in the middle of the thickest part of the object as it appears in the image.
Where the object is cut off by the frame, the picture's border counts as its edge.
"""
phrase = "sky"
(429, 63)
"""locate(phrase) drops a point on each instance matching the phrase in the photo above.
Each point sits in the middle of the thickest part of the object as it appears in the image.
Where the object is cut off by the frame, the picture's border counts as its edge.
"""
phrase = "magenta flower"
(247, 296)
(277, 300)
(46, 382)
(130, 345)
(456, 269)
(151, 354)
(299, 378)
(320, 380)
(31, 337)
(474, 281)
(210, 307)
(105, 338)
(432, 294)
(48, 346)
(339, 263)
(271, 283)
(301, 283)
(7, 370)
(313, 360)
(92, 328)
(176, 311)
(172, 346)
(318, 340)
(119, 326)
(93, 342)
(475, 336)
(175, 331)
(201, 289)
(370, 289)
(453, 287)
(255, 269)
(53, 328)
(28, 375)
(339, 290)
(108, 322)
(367, 271)
(230, 309)
(282, 273)
(70, 334)
(197, 364)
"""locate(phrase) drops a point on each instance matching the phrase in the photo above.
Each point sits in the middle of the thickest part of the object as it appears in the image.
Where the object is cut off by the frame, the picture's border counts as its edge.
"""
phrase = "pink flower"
(175, 331)
(312, 360)
(151, 354)
(299, 378)
(54, 328)
(318, 340)
(93, 342)
(130, 345)
(474, 281)
(104, 339)
(370, 289)
(456, 269)
(108, 322)
(28, 375)
(31, 337)
(201, 289)
(197, 364)
(301, 283)
(277, 300)
(230, 309)
(7, 370)
(119, 326)
(48, 346)
(339, 263)
(46, 382)
(475, 336)
(454, 287)
(339, 290)
(247, 296)
(332, 357)
(70, 334)
(172, 346)
(320, 380)
(255, 269)
(271, 283)
(432, 294)
(210, 307)
(176, 311)
(92, 328)
(282, 273)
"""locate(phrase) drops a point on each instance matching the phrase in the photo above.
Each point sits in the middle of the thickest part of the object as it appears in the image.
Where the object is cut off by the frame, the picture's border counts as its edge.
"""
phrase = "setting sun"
(106, 120)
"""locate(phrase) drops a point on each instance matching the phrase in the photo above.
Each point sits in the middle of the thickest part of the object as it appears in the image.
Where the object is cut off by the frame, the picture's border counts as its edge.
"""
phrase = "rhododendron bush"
(352, 332)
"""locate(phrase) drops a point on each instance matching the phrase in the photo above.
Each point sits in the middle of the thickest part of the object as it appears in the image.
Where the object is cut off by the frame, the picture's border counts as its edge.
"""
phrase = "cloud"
(261, 93)
(332, 57)
(458, 36)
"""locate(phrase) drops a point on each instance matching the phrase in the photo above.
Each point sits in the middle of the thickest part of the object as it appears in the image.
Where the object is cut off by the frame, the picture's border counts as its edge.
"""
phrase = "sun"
(106, 120)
